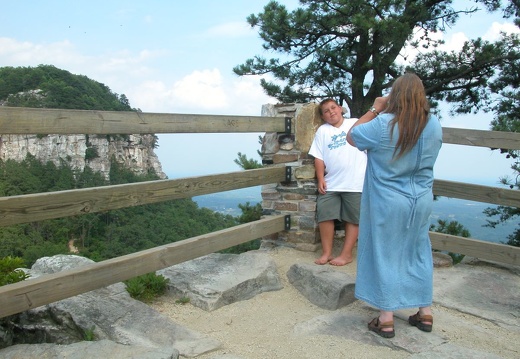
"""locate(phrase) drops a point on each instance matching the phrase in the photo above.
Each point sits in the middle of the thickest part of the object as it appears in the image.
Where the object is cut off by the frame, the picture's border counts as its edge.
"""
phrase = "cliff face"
(135, 152)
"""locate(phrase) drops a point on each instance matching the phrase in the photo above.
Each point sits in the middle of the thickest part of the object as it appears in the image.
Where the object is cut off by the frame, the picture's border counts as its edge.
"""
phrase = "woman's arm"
(378, 107)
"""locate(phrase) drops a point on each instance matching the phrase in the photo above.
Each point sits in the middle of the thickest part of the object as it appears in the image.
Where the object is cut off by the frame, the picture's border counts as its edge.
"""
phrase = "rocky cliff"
(135, 152)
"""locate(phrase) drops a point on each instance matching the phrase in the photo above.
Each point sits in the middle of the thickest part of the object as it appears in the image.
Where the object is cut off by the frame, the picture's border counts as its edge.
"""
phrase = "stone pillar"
(296, 198)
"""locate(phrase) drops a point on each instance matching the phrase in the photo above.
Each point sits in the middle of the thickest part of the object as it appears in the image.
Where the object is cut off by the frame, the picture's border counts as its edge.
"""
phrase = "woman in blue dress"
(394, 258)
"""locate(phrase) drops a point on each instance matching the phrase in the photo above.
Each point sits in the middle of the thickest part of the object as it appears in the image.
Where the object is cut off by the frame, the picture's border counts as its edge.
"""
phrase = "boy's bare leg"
(351, 235)
(327, 241)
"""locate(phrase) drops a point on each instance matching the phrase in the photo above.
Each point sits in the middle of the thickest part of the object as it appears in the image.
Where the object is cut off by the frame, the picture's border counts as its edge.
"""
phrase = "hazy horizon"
(467, 213)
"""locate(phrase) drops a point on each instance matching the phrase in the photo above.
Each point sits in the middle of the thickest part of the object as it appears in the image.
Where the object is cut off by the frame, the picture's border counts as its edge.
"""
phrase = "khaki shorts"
(339, 205)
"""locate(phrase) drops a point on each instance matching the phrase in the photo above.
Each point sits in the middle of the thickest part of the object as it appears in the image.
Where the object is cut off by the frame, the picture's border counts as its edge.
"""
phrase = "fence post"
(296, 197)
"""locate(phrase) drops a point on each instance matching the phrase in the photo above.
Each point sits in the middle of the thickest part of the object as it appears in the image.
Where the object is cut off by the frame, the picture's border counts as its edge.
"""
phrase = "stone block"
(305, 172)
(307, 206)
(293, 197)
(298, 236)
(270, 144)
(323, 286)
(307, 121)
(284, 157)
(268, 205)
(271, 195)
(286, 206)
(308, 222)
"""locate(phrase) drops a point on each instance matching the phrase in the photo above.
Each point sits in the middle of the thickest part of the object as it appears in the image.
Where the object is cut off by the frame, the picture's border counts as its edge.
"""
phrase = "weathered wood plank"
(32, 293)
(22, 120)
(41, 206)
(476, 248)
(481, 138)
(478, 193)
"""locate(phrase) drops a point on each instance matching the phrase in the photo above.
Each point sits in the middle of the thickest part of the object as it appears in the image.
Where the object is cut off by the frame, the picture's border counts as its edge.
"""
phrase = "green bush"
(10, 272)
(89, 335)
(453, 228)
(147, 287)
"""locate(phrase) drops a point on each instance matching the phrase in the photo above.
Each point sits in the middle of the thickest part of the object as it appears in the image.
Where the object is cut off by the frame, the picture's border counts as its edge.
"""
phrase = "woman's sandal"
(418, 321)
(377, 327)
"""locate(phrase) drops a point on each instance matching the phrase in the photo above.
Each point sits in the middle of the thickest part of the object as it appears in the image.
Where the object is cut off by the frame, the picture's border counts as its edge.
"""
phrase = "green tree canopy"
(353, 50)
(49, 87)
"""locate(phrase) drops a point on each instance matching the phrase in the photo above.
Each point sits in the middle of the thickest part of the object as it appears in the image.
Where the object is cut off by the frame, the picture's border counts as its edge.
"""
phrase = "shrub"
(10, 271)
(147, 287)
(453, 228)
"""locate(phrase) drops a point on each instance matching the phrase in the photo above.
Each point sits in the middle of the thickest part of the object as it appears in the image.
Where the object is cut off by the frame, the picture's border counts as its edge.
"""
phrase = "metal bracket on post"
(287, 222)
(288, 173)
(288, 125)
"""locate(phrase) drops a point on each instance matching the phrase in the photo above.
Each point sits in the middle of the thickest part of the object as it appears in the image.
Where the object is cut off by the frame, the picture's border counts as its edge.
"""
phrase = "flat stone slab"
(322, 285)
(418, 344)
(215, 280)
(86, 350)
(483, 290)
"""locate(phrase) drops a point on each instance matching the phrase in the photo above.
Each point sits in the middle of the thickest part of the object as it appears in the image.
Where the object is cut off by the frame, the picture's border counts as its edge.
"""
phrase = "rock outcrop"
(104, 314)
(134, 152)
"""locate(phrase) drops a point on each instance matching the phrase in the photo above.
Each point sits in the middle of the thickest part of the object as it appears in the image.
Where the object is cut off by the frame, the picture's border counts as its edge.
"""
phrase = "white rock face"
(135, 152)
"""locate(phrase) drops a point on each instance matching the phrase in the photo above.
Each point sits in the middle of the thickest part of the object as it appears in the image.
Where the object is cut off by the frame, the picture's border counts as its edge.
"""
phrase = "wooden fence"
(32, 293)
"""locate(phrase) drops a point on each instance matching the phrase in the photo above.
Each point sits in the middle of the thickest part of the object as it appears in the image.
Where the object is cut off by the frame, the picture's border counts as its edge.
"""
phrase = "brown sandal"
(377, 327)
(418, 321)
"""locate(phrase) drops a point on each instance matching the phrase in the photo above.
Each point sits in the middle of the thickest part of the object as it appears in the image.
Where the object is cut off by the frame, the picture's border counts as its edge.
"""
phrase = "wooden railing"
(486, 194)
(32, 293)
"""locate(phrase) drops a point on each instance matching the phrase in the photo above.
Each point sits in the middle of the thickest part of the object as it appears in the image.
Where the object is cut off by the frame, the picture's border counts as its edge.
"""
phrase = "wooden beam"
(32, 293)
(478, 193)
(22, 120)
(476, 248)
(42, 206)
(481, 138)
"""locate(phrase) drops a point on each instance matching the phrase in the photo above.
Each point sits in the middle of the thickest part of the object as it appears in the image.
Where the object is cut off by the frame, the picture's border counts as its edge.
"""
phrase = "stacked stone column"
(296, 197)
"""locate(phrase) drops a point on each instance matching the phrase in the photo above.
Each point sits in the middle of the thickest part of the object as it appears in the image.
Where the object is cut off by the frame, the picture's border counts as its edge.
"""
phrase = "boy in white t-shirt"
(340, 171)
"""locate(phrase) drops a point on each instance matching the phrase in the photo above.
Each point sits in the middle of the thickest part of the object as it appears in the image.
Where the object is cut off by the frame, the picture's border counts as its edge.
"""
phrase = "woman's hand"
(380, 103)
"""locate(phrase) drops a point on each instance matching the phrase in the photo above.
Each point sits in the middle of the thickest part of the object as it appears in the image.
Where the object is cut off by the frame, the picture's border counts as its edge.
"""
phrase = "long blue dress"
(394, 258)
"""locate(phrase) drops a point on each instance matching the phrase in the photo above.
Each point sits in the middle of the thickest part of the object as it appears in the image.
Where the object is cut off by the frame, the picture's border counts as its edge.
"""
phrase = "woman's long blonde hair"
(407, 101)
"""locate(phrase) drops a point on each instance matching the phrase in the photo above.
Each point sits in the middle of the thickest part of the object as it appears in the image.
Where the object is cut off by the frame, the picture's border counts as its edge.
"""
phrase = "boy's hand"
(322, 187)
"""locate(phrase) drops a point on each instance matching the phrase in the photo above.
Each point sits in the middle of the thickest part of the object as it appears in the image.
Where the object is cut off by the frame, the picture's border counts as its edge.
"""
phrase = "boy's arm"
(319, 167)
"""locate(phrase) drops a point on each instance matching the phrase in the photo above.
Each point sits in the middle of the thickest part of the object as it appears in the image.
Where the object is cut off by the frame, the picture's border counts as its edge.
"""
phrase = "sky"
(177, 57)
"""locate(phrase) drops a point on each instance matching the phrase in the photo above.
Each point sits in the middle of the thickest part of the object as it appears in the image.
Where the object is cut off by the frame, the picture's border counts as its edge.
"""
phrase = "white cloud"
(456, 40)
(496, 28)
(15, 53)
(202, 91)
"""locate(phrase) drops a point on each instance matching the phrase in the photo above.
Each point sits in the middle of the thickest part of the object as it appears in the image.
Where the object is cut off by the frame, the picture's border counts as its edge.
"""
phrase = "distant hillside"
(46, 86)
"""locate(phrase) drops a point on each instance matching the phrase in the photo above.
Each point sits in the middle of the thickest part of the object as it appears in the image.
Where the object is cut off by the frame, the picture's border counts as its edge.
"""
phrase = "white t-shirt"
(344, 164)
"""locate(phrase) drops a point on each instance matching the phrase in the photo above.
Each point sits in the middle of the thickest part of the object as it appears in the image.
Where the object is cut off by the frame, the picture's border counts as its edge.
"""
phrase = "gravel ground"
(262, 327)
